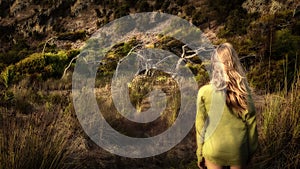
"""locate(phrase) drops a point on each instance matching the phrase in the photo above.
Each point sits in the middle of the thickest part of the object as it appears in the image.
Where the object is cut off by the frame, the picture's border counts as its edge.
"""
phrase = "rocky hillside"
(37, 20)
(255, 27)
(39, 38)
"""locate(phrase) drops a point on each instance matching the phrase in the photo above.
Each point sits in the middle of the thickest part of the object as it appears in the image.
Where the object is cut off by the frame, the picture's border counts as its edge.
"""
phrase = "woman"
(225, 123)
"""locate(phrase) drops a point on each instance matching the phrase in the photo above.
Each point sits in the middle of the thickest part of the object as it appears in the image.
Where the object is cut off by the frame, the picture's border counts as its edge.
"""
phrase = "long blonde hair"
(229, 75)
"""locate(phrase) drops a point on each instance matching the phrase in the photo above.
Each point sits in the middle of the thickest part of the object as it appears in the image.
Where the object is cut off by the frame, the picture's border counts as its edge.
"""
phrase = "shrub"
(18, 52)
(285, 44)
(7, 99)
(237, 22)
(267, 76)
(113, 56)
(7, 76)
(55, 63)
(37, 65)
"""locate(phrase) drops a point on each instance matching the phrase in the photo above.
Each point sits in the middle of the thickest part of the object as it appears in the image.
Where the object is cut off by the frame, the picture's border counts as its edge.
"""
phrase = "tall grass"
(279, 130)
(35, 129)
(26, 145)
(44, 136)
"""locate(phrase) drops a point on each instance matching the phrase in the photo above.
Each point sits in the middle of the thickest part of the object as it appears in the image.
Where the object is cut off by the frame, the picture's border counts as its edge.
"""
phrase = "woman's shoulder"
(205, 89)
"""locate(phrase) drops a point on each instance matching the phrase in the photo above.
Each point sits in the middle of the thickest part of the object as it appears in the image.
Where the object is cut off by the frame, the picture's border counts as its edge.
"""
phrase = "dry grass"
(279, 130)
(30, 143)
(47, 134)
(36, 128)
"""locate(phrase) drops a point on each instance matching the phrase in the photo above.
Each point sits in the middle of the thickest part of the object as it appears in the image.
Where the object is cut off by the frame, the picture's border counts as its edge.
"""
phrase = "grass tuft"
(279, 130)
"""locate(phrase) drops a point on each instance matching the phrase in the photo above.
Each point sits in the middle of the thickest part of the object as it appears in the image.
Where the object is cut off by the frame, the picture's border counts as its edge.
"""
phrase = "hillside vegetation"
(39, 39)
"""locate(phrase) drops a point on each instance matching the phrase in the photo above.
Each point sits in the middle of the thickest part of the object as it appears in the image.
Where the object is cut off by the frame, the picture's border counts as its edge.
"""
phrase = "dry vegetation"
(38, 124)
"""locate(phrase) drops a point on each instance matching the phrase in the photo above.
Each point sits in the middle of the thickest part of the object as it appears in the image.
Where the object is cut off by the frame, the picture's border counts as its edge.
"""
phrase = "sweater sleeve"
(252, 129)
(199, 123)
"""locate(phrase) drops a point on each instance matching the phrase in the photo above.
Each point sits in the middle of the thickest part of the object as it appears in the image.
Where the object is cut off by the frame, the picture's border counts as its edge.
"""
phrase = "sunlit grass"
(42, 137)
(32, 146)
(279, 130)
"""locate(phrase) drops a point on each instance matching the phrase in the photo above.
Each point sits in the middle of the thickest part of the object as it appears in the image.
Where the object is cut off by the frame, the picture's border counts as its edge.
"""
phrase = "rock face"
(38, 20)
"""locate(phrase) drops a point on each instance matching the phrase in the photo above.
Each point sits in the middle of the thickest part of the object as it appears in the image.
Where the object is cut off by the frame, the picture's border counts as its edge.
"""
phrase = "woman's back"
(226, 134)
(225, 121)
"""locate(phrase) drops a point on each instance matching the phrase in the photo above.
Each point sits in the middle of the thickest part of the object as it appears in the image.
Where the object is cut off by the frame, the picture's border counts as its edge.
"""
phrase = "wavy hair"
(229, 75)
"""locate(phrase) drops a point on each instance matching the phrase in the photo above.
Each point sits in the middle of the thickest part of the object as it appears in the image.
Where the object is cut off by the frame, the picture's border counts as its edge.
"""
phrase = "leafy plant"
(49, 65)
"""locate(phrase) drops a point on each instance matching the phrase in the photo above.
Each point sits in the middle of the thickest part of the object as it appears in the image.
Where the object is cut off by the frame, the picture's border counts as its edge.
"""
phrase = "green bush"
(237, 22)
(18, 52)
(49, 65)
(267, 77)
(286, 46)
(7, 99)
(7, 76)
(55, 64)
(200, 74)
(2, 66)
(285, 43)
(113, 56)
(282, 18)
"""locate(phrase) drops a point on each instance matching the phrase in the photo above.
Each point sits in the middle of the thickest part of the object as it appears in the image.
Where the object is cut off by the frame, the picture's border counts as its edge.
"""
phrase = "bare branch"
(183, 51)
(248, 56)
(130, 52)
(69, 65)
(195, 52)
(43, 51)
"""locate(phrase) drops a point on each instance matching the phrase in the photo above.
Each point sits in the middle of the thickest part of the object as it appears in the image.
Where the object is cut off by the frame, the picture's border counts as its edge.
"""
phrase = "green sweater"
(222, 137)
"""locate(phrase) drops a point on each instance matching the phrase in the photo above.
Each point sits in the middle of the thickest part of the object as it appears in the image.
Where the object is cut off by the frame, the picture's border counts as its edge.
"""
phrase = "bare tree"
(146, 63)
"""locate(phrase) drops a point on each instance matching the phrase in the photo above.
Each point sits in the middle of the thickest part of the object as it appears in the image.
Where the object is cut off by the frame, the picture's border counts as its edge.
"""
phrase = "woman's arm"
(199, 123)
(252, 128)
